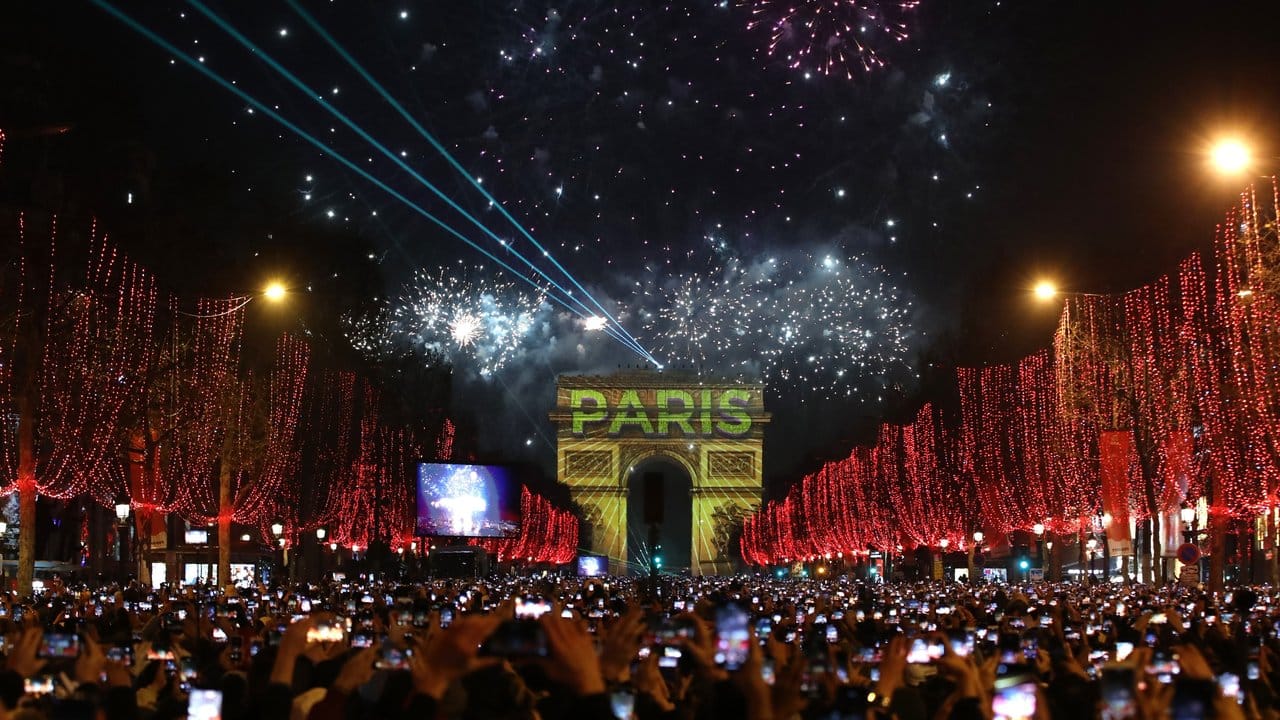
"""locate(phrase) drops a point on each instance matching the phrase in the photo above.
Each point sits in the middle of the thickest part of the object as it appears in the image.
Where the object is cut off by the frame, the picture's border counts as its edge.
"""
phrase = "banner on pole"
(1115, 452)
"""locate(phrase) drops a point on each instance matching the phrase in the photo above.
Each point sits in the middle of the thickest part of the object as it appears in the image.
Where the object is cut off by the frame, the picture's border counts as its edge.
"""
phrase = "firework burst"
(831, 37)
(832, 325)
(471, 321)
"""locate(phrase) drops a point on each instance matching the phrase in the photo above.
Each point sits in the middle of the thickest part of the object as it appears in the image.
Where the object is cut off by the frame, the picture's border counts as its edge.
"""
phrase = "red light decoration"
(547, 534)
(1184, 369)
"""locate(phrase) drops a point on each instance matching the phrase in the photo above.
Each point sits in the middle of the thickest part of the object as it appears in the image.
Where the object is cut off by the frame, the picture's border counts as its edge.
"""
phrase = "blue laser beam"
(324, 34)
(319, 99)
(266, 110)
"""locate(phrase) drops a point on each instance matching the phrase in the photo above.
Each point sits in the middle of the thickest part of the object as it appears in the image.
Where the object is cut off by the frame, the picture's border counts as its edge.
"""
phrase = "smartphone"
(1123, 649)
(961, 642)
(1193, 699)
(1164, 666)
(764, 627)
(1117, 690)
(531, 609)
(833, 633)
(60, 645)
(768, 671)
(733, 636)
(326, 632)
(204, 704)
(516, 638)
(391, 657)
(919, 652)
(1014, 698)
(623, 702)
(122, 654)
(446, 617)
(670, 657)
(1229, 685)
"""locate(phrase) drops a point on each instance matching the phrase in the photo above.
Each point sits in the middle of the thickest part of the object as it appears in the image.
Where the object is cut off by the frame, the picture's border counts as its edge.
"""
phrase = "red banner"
(1116, 451)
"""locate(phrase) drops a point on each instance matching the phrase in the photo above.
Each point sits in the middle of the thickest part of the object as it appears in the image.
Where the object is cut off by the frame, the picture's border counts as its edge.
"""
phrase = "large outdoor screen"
(468, 500)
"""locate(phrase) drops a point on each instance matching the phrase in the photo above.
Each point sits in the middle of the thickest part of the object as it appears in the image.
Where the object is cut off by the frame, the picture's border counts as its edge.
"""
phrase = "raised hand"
(450, 653)
(573, 659)
(24, 660)
(621, 643)
(356, 671)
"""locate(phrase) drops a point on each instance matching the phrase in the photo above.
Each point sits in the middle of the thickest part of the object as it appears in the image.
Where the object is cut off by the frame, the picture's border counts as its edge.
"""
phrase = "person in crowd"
(758, 648)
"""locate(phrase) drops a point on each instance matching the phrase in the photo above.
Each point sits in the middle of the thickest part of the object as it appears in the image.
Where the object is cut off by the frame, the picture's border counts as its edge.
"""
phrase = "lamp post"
(1038, 530)
(1106, 548)
(277, 530)
(4, 538)
(974, 551)
(943, 543)
(1092, 546)
(122, 518)
(1188, 516)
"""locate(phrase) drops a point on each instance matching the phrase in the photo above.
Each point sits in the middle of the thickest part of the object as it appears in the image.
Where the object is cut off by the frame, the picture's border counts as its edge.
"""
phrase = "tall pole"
(1106, 559)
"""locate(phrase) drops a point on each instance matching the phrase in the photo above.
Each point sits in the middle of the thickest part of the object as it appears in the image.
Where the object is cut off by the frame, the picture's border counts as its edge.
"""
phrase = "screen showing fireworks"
(468, 500)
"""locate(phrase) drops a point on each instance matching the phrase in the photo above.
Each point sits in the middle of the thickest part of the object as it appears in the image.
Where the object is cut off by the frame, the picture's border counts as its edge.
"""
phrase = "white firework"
(474, 322)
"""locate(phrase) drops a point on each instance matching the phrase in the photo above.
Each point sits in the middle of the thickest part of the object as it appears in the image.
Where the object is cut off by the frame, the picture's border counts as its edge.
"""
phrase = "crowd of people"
(753, 647)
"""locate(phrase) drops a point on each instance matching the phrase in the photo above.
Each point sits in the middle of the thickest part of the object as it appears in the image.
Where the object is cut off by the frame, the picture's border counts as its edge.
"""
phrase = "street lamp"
(277, 529)
(1038, 530)
(1092, 546)
(1045, 291)
(974, 549)
(1230, 156)
(275, 291)
(122, 518)
(320, 533)
(4, 537)
(1188, 515)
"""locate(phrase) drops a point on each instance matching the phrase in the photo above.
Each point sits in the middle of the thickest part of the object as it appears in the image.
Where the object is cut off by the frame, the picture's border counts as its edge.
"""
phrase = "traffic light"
(1024, 564)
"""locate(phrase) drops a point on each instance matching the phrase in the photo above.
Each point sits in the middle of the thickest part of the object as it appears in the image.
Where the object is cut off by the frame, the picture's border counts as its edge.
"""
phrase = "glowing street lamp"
(275, 291)
(277, 529)
(978, 537)
(1188, 516)
(1045, 291)
(1230, 156)
(320, 533)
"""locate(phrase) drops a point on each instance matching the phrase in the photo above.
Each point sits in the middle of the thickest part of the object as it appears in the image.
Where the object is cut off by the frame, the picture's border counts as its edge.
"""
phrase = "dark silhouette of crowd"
(598, 648)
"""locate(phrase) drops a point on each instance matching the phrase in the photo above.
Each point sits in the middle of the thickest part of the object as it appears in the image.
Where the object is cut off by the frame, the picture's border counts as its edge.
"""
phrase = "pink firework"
(831, 37)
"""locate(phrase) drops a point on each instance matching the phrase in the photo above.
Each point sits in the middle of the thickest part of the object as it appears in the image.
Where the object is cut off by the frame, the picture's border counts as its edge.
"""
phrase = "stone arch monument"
(606, 425)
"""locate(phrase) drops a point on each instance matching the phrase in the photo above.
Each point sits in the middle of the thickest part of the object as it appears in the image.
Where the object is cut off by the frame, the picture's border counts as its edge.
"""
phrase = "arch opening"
(659, 489)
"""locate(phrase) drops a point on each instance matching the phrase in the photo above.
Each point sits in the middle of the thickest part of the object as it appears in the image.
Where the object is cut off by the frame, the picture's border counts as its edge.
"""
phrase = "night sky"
(842, 234)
